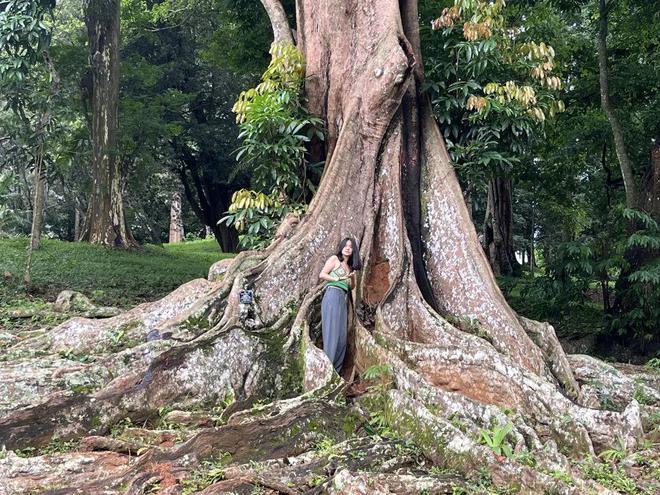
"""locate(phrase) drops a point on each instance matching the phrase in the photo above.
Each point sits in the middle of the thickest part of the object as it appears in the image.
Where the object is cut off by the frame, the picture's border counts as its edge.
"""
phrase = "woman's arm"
(327, 268)
(351, 279)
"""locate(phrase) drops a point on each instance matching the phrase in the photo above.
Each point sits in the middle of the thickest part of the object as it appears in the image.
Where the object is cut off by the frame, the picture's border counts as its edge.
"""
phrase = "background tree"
(105, 222)
(493, 86)
(632, 196)
(25, 38)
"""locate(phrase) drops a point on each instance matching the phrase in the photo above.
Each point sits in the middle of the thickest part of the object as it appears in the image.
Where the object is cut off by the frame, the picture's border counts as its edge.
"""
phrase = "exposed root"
(199, 349)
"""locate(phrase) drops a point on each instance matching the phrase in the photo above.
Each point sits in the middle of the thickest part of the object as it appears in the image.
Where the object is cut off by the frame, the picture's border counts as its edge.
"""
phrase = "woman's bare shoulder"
(332, 261)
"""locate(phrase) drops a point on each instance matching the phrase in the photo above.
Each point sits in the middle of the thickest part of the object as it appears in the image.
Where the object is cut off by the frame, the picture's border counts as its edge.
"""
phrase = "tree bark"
(39, 199)
(37, 211)
(176, 221)
(105, 221)
(77, 227)
(532, 231)
(498, 227)
(280, 24)
(651, 185)
(617, 131)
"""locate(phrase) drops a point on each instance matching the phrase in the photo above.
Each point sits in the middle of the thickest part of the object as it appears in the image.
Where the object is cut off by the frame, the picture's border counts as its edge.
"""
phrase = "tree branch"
(278, 20)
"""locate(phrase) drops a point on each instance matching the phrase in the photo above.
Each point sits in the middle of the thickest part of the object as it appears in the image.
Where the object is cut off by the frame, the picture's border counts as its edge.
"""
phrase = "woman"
(339, 273)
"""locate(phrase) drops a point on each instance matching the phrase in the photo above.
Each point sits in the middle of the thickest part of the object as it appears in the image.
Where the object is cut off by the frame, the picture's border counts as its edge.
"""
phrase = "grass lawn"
(110, 277)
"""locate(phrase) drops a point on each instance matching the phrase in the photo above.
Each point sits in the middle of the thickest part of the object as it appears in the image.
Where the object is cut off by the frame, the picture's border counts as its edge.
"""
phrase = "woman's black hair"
(354, 258)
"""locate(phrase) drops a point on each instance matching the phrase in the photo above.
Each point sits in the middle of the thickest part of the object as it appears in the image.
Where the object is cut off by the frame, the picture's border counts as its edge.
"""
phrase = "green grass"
(110, 277)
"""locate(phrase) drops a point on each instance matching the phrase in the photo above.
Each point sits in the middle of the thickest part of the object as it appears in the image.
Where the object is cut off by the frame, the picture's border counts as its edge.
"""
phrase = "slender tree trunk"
(532, 259)
(39, 199)
(604, 284)
(77, 227)
(176, 221)
(617, 131)
(652, 184)
(105, 222)
(467, 195)
(498, 227)
(40, 172)
(37, 212)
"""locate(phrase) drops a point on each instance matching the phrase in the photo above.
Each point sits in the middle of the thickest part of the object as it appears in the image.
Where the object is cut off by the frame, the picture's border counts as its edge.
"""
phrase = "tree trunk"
(39, 199)
(498, 227)
(77, 227)
(37, 212)
(40, 173)
(105, 222)
(467, 195)
(532, 231)
(176, 220)
(651, 185)
(426, 302)
(617, 131)
(209, 208)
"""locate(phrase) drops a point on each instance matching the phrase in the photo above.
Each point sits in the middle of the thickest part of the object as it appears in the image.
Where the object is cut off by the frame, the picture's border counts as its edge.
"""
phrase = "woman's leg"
(333, 325)
(341, 334)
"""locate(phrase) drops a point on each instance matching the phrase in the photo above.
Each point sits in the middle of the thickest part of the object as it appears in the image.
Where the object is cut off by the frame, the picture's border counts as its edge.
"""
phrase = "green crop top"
(339, 272)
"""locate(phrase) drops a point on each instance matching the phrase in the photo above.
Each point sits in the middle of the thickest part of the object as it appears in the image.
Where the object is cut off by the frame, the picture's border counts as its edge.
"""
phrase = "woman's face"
(348, 249)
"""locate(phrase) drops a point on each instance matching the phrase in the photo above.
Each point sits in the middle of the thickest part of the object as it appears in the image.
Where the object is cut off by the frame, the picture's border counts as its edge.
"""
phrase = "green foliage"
(525, 457)
(568, 194)
(118, 428)
(275, 129)
(641, 396)
(654, 363)
(241, 40)
(37, 121)
(496, 440)
(80, 357)
(492, 85)
(377, 371)
(638, 314)
(211, 471)
(611, 476)
(380, 419)
(24, 34)
(562, 476)
(317, 480)
(575, 270)
(6, 213)
(127, 278)
(616, 454)
(54, 447)
(257, 216)
(326, 447)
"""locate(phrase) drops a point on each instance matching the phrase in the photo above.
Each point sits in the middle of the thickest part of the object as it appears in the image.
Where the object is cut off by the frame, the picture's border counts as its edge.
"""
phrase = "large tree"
(427, 304)
(105, 222)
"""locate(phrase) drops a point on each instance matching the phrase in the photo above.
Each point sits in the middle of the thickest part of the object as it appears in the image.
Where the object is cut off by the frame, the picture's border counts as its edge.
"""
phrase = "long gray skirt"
(334, 323)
